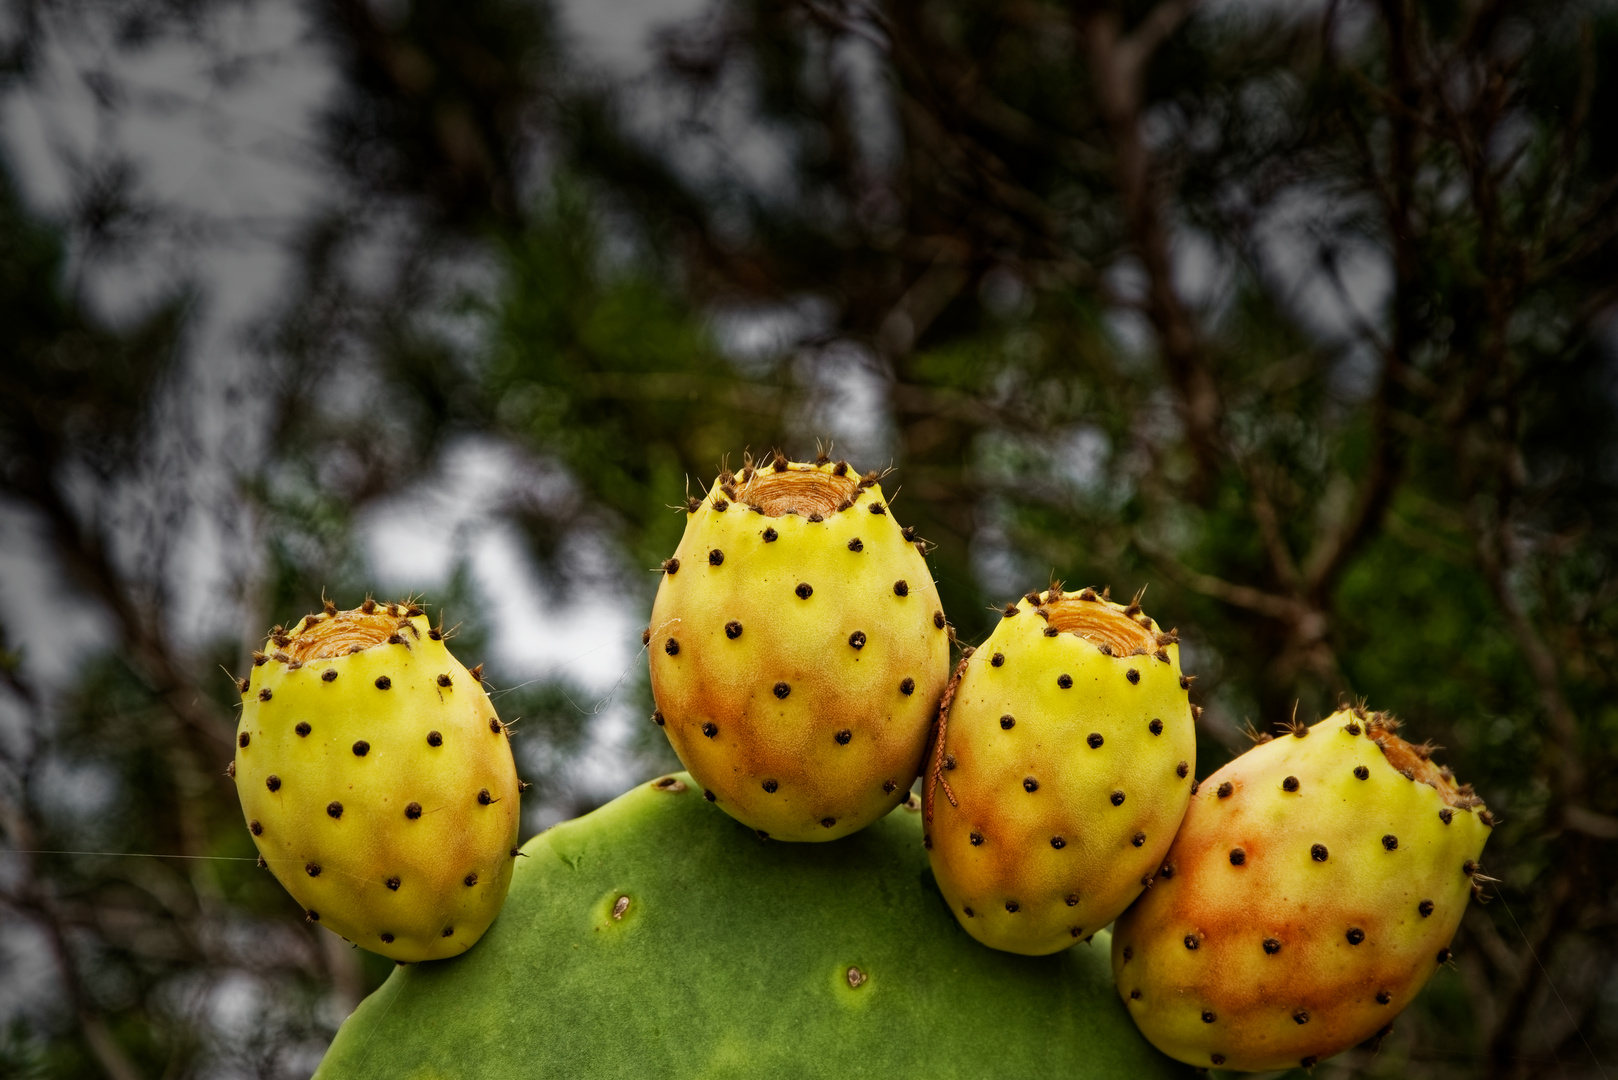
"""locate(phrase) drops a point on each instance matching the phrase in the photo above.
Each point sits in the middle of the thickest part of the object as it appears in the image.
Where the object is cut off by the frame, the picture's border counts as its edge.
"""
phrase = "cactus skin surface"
(379, 784)
(1339, 909)
(798, 650)
(1065, 769)
(732, 959)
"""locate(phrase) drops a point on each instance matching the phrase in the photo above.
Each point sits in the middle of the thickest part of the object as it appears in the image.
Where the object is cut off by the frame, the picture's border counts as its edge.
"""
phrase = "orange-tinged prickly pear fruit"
(1313, 889)
(1064, 768)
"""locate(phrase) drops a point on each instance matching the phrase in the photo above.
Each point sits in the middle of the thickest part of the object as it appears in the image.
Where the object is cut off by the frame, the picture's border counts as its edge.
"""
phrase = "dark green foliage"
(607, 370)
(92, 404)
(436, 98)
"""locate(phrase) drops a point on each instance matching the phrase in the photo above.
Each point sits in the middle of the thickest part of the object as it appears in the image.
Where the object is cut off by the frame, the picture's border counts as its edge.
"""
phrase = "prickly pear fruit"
(798, 649)
(1311, 893)
(1065, 759)
(655, 937)
(377, 781)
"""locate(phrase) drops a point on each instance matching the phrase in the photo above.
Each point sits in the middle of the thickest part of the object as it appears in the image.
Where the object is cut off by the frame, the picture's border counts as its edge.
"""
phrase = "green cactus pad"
(735, 957)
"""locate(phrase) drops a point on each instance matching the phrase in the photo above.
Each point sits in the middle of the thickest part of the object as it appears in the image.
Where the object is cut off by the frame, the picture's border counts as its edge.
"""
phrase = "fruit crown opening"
(343, 632)
(800, 489)
(1418, 761)
(1100, 622)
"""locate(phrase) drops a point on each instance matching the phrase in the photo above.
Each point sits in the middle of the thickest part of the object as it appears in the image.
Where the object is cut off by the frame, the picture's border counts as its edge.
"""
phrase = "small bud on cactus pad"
(378, 782)
(798, 650)
(1062, 772)
(656, 938)
(1358, 857)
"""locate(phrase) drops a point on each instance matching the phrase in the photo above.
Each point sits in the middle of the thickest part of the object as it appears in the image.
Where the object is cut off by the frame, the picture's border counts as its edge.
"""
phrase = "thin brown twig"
(1117, 67)
(1269, 527)
(940, 732)
(1284, 608)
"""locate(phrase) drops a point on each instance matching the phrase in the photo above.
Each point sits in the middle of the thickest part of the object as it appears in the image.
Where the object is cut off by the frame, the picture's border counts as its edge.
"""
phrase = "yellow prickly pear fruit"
(1062, 770)
(798, 649)
(1312, 891)
(378, 781)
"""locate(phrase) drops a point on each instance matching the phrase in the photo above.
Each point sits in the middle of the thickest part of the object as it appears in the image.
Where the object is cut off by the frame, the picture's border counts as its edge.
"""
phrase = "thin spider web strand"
(1551, 983)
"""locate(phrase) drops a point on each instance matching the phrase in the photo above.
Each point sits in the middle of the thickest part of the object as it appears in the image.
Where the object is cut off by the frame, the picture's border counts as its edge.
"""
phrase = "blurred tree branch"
(1118, 64)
